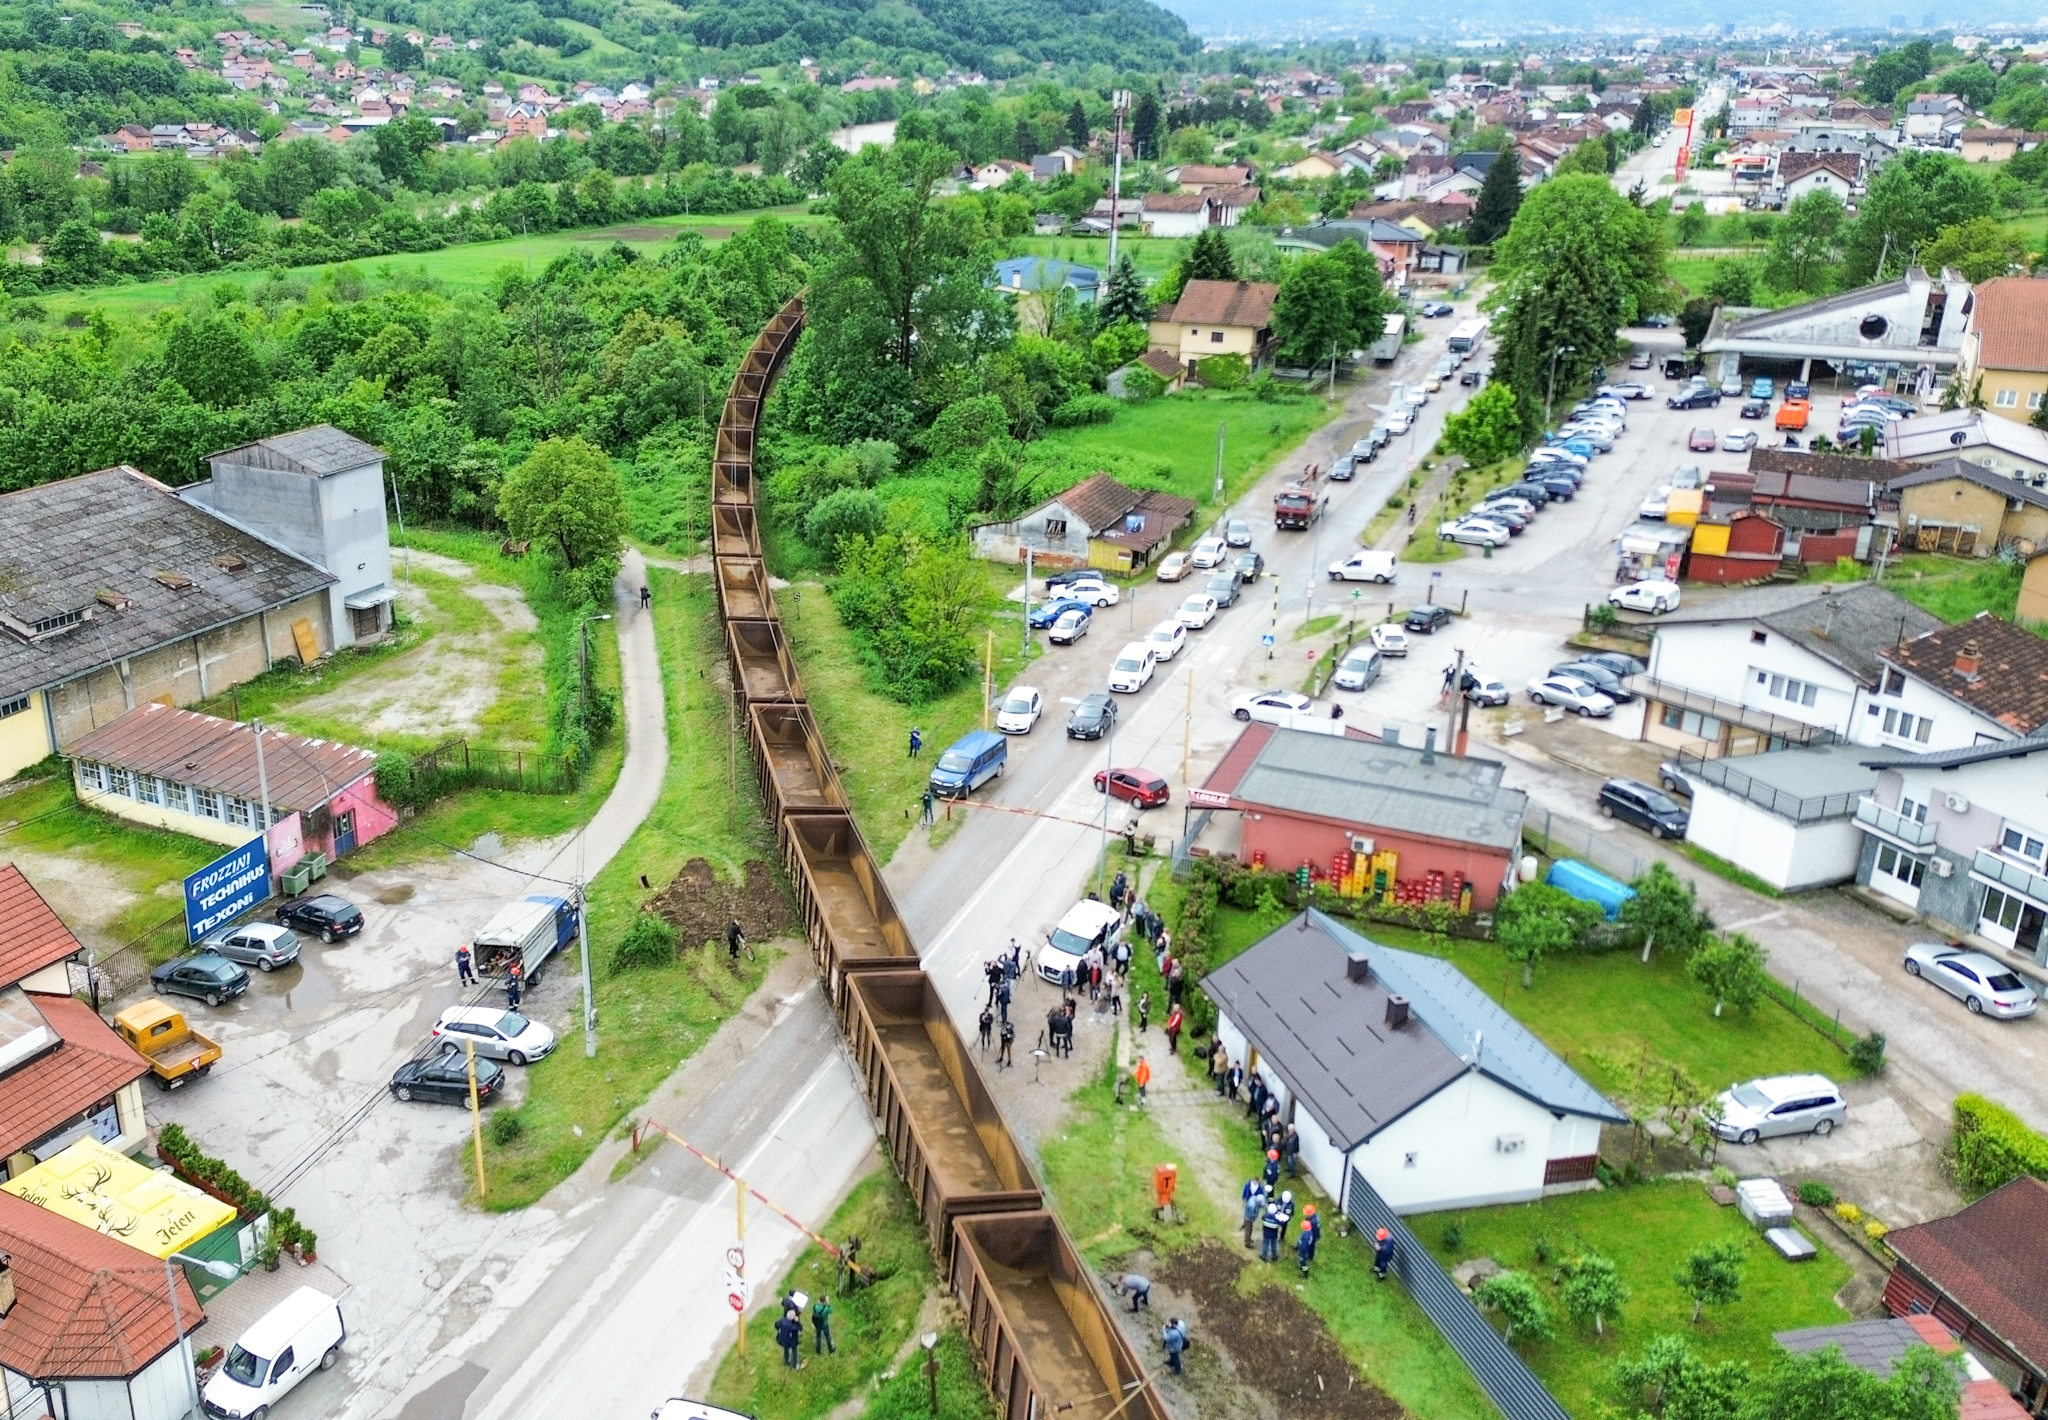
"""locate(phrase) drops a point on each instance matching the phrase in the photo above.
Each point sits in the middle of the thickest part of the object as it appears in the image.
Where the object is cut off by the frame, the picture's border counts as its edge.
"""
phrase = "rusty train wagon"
(1045, 1337)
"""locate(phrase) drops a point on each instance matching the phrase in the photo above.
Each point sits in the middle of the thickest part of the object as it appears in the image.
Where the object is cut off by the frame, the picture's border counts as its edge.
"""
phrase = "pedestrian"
(1142, 1076)
(1382, 1253)
(930, 802)
(1173, 1025)
(1272, 1174)
(1220, 1071)
(1270, 1228)
(1116, 1000)
(994, 976)
(512, 989)
(916, 741)
(1009, 1038)
(1290, 1150)
(789, 1334)
(988, 1025)
(1305, 1247)
(1144, 1010)
(646, 598)
(735, 938)
(821, 1326)
(1254, 1195)
(1118, 886)
(1176, 982)
(1003, 1001)
(1123, 960)
(1254, 1093)
(1176, 1338)
(1138, 1289)
(1236, 1080)
(1286, 1207)
(463, 969)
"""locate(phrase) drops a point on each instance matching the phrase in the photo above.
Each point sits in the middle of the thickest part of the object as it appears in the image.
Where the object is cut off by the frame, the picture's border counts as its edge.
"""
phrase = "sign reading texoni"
(226, 888)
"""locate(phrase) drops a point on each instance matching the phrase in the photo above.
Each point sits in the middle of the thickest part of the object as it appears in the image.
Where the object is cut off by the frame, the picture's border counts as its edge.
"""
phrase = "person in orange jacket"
(1142, 1077)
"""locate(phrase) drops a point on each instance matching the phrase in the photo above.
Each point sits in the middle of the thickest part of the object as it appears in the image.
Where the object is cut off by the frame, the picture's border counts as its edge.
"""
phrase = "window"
(2001, 909)
(1797, 692)
(1055, 527)
(13, 707)
(237, 811)
(1691, 722)
(1901, 867)
(90, 775)
(2005, 399)
(1757, 638)
(119, 781)
(1215, 337)
(1900, 725)
(2021, 843)
(149, 789)
(1912, 805)
(206, 803)
(2034, 399)
(178, 796)
(1894, 682)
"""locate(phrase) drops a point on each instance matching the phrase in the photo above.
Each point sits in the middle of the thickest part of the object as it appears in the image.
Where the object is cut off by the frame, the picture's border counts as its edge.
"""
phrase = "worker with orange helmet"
(1382, 1253)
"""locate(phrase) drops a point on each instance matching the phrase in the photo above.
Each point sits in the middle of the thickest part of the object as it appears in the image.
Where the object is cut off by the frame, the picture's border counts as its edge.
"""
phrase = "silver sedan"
(1986, 985)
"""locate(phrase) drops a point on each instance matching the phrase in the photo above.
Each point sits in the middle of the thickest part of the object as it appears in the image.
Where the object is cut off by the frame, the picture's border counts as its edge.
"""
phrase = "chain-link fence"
(1556, 837)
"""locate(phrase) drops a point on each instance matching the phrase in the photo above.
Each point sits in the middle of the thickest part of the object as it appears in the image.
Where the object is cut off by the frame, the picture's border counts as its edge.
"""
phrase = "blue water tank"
(1589, 885)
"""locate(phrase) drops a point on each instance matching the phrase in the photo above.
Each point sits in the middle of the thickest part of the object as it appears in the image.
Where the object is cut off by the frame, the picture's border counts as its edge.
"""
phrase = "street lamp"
(1120, 104)
(212, 1267)
(1550, 389)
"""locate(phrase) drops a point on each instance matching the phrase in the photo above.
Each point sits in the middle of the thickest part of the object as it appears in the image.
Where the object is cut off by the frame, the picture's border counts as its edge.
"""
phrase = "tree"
(1588, 157)
(1894, 69)
(1486, 430)
(1537, 920)
(1692, 224)
(1711, 1274)
(1669, 1380)
(1366, 298)
(215, 360)
(1912, 198)
(568, 496)
(1514, 1296)
(1124, 299)
(1732, 970)
(1733, 283)
(1923, 1385)
(1806, 244)
(1591, 1289)
(401, 149)
(844, 514)
(74, 250)
(1311, 314)
(1209, 259)
(1979, 248)
(1666, 908)
(402, 53)
(1500, 197)
(1077, 125)
(1145, 125)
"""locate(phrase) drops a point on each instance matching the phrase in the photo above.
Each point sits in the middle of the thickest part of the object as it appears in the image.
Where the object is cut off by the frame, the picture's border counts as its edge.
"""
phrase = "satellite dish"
(1959, 438)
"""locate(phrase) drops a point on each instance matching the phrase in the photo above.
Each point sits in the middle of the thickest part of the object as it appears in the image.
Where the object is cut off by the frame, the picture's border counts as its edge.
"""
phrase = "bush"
(849, 512)
(1084, 409)
(649, 942)
(1992, 1147)
(1815, 1194)
(1866, 1056)
(185, 1155)
(1514, 1296)
(1454, 1235)
(1875, 1230)
(1140, 383)
(1603, 616)
(1223, 372)
(1849, 1213)
(506, 1127)
(397, 784)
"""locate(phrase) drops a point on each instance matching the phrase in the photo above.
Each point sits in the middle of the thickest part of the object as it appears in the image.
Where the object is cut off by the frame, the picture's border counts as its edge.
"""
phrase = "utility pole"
(476, 1120)
(1217, 496)
(583, 943)
(1024, 640)
(988, 676)
(1457, 693)
(1109, 763)
(262, 788)
(1119, 103)
(1187, 726)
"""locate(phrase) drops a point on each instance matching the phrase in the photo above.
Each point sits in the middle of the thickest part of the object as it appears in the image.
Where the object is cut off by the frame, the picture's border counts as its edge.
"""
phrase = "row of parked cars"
(1555, 472)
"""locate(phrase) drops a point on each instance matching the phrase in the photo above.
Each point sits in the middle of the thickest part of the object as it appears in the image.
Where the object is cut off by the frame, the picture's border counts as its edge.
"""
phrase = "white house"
(1977, 682)
(1872, 332)
(1789, 817)
(1174, 214)
(2002, 445)
(1398, 1066)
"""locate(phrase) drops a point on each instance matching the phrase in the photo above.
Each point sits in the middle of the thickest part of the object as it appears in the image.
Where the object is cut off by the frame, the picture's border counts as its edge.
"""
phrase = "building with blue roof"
(1395, 1064)
(1043, 276)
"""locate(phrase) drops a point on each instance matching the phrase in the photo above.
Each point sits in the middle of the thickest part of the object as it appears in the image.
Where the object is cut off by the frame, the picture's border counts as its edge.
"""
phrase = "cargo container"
(528, 931)
(1589, 885)
(761, 664)
(848, 914)
(1039, 1324)
(945, 1135)
(743, 593)
(732, 531)
(797, 776)
(732, 475)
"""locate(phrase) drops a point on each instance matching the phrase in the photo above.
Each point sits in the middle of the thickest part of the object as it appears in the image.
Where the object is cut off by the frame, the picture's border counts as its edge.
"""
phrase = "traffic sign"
(1267, 639)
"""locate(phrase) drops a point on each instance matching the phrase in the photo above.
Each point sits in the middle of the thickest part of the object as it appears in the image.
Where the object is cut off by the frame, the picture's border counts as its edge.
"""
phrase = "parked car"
(1266, 704)
(1600, 436)
(1196, 611)
(1426, 619)
(1484, 689)
(1056, 580)
(1630, 389)
(1365, 565)
(1132, 670)
(1046, 613)
(1358, 670)
(1237, 533)
(1571, 694)
(1173, 567)
(1091, 719)
(1700, 398)
(1432, 309)
(325, 916)
(1521, 507)
(1645, 807)
(1672, 776)
(1986, 985)
(1166, 639)
(1640, 360)
(1778, 1105)
(1686, 475)
(209, 976)
(1469, 377)
(1416, 397)
(1343, 468)
(1600, 677)
(497, 1033)
(1020, 710)
(1618, 662)
(1477, 531)
(1732, 387)
(1207, 552)
(1762, 387)
(1070, 626)
(1702, 441)
(1223, 587)
(1793, 415)
(1433, 382)
(1249, 566)
(262, 945)
(1534, 492)
(1559, 484)
(1399, 421)
(1134, 786)
(1798, 389)
(1656, 503)
(1506, 514)
(1096, 591)
(444, 1078)
(1755, 409)
(289, 1342)
(1738, 441)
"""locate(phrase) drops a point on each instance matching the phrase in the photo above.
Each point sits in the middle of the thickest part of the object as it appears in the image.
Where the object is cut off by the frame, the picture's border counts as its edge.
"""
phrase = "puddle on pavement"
(395, 894)
(303, 985)
(488, 845)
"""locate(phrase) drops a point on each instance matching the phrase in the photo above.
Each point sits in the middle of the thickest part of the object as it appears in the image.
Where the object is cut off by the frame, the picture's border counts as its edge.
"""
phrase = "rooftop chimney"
(1397, 1012)
(1358, 968)
(1968, 660)
(1429, 745)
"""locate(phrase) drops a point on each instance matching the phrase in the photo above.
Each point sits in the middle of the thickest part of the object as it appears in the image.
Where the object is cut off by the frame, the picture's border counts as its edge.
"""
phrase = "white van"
(1087, 923)
(1368, 564)
(301, 1334)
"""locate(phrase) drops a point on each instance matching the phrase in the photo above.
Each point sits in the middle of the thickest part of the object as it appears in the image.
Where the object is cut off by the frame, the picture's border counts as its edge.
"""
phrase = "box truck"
(528, 931)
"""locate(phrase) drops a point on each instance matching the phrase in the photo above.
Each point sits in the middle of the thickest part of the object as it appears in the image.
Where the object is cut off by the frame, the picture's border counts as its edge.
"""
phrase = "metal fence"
(1566, 838)
(458, 764)
(1722, 774)
(1507, 1381)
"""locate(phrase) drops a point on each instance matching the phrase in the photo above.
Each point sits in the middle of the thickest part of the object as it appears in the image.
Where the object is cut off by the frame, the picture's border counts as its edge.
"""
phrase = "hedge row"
(1993, 1147)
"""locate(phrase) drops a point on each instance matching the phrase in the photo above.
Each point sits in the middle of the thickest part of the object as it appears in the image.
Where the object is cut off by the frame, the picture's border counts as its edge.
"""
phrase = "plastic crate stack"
(1363, 875)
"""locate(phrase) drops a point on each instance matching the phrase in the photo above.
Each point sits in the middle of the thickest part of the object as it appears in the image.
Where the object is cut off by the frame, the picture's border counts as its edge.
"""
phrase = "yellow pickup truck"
(158, 1032)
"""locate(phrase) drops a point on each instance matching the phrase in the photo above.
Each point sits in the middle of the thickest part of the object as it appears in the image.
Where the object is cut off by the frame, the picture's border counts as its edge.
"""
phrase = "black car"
(207, 975)
(1342, 470)
(1558, 485)
(444, 1078)
(1756, 409)
(1425, 619)
(1615, 661)
(1645, 807)
(328, 916)
(1072, 574)
(1694, 399)
(1534, 492)
(1600, 677)
(1223, 587)
(1091, 719)
(1249, 566)
(1470, 377)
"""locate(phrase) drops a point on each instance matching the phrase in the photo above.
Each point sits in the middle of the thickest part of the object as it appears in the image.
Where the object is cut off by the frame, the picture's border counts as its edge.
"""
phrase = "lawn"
(1645, 1230)
(1956, 588)
(650, 1020)
(869, 733)
(871, 1328)
(1151, 255)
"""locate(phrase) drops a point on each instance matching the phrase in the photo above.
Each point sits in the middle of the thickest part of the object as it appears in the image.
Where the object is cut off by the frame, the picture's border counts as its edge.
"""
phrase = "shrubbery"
(649, 942)
(199, 1167)
(1992, 1146)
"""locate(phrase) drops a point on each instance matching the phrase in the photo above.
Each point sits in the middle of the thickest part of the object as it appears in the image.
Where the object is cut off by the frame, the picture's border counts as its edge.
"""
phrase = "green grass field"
(1956, 588)
(1181, 428)
(1151, 255)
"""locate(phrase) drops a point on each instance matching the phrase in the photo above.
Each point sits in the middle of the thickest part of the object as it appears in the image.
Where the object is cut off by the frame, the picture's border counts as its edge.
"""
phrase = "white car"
(1738, 441)
(1600, 436)
(1654, 597)
(1197, 611)
(1628, 389)
(1399, 421)
(1020, 710)
(1658, 503)
(1089, 922)
(1416, 398)
(1166, 639)
(1071, 626)
(1209, 552)
(1270, 705)
(1365, 565)
(1571, 694)
(1477, 531)
(1133, 668)
(496, 1033)
(1779, 1105)
(1390, 639)
(1093, 590)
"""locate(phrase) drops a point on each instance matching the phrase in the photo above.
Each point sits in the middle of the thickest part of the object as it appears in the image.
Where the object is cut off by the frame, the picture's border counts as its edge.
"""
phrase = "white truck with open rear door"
(528, 931)
(1391, 335)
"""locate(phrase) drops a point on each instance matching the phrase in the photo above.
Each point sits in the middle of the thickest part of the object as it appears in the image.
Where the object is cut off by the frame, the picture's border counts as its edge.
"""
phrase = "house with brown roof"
(1877, 1345)
(1801, 173)
(64, 1075)
(1096, 523)
(1197, 178)
(1990, 145)
(2005, 347)
(1958, 506)
(1217, 318)
(87, 1325)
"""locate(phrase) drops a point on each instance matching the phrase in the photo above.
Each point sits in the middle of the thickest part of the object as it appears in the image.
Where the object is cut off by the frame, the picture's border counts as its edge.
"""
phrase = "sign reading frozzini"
(226, 888)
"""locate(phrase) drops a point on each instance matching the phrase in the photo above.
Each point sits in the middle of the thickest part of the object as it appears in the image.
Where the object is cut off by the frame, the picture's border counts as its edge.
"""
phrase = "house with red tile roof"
(2005, 346)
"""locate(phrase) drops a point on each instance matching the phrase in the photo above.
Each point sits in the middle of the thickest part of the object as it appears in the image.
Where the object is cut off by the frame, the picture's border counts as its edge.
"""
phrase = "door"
(2028, 937)
(344, 832)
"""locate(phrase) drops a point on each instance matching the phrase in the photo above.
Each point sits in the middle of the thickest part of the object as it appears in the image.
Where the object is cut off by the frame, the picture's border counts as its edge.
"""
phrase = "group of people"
(1271, 1212)
(789, 1329)
(515, 976)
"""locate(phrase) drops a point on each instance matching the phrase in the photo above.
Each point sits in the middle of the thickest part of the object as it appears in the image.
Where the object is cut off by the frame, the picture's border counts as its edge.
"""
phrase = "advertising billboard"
(226, 888)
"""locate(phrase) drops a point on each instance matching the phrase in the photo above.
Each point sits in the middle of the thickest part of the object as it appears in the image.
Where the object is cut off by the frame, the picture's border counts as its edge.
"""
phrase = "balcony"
(2011, 875)
(1887, 823)
(1778, 727)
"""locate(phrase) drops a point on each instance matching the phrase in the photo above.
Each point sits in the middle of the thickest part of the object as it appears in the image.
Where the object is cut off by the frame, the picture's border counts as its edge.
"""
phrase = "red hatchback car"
(1139, 786)
(1702, 441)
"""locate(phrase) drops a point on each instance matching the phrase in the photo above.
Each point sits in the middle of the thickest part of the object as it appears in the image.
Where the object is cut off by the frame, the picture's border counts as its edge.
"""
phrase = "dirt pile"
(699, 903)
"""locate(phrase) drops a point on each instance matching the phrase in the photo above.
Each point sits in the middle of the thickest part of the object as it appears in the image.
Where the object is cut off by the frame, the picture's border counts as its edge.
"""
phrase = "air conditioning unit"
(1363, 847)
(1957, 804)
(1943, 868)
(1510, 1143)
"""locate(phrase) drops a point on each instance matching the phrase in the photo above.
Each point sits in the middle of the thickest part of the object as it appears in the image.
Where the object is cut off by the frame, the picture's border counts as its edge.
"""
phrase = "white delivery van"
(1089, 922)
(300, 1335)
